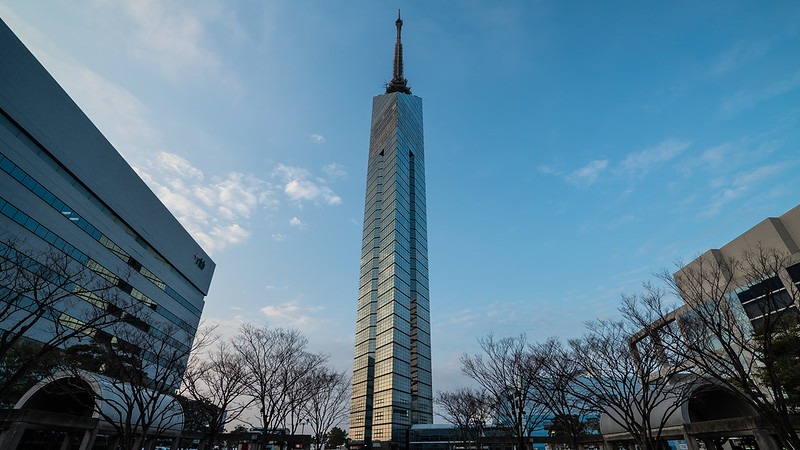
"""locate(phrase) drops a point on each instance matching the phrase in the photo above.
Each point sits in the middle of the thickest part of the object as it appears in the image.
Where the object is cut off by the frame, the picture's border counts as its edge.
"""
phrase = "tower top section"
(398, 83)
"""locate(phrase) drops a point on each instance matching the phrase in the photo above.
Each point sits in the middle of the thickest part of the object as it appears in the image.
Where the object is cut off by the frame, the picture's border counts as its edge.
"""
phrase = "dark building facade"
(392, 364)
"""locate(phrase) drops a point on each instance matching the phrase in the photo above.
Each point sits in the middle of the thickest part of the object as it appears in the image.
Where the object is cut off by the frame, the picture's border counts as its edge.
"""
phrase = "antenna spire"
(398, 83)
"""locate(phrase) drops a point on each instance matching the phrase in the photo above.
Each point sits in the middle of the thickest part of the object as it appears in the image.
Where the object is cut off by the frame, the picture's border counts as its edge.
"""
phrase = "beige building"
(734, 298)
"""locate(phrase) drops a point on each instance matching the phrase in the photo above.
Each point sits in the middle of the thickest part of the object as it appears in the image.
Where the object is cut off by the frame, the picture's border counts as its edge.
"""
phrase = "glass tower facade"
(392, 364)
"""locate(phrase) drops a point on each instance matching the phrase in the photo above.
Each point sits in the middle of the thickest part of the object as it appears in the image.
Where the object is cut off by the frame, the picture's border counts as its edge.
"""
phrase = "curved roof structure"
(707, 402)
(113, 402)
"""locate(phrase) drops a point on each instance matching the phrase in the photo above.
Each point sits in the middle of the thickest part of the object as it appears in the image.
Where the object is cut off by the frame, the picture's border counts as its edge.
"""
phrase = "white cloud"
(302, 190)
(299, 190)
(588, 174)
(286, 172)
(335, 171)
(215, 212)
(292, 314)
(317, 139)
(178, 165)
(223, 235)
(640, 163)
(300, 186)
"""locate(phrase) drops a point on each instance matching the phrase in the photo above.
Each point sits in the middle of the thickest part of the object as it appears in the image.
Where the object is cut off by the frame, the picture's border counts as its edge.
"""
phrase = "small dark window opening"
(136, 265)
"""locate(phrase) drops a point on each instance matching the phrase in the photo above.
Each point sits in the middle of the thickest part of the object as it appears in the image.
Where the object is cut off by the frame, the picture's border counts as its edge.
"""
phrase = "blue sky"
(572, 148)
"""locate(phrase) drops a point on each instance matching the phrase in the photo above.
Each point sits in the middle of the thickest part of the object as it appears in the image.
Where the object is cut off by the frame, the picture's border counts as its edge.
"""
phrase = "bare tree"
(626, 379)
(572, 416)
(738, 317)
(217, 379)
(328, 404)
(278, 362)
(468, 409)
(138, 373)
(300, 392)
(505, 371)
(47, 301)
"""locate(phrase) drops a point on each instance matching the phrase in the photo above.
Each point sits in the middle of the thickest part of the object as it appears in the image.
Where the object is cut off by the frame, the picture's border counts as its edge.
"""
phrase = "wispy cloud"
(635, 164)
(464, 318)
(739, 54)
(119, 114)
(547, 169)
(717, 155)
(317, 139)
(292, 314)
(640, 163)
(588, 174)
(722, 157)
(748, 98)
(300, 186)
(170, 37)
(735, 187)
(466, 321)
(225, 328)
(729, 157)
(272, 287)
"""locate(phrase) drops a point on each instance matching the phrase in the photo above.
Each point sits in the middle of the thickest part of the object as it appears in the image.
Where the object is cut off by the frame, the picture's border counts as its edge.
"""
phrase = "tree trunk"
(788, 436)
(521, 443)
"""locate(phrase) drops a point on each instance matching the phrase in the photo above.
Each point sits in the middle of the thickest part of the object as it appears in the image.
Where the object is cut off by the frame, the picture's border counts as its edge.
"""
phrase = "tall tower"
(392, 366)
